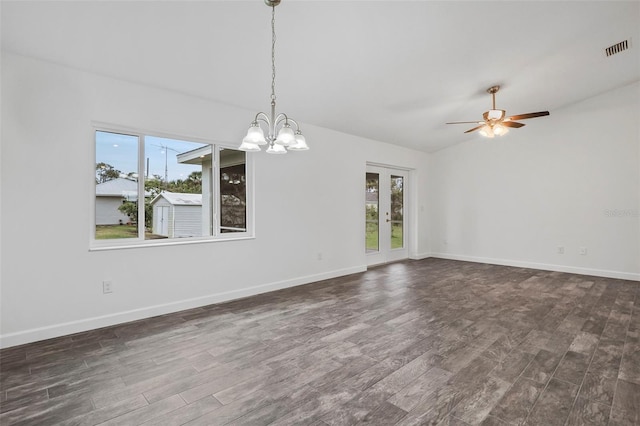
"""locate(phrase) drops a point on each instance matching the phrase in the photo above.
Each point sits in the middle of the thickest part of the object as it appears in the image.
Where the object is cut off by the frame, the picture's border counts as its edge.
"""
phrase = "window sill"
(96, 246)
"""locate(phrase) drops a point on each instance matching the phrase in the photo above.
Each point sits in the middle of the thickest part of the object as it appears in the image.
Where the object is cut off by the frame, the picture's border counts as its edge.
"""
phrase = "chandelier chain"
(273, 53)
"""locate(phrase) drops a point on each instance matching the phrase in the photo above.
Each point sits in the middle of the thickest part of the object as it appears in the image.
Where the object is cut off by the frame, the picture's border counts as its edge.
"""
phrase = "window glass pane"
(372, 188)
(178, 176)
(187, 189)
(397, 201)
(116, 186)
(233, 191)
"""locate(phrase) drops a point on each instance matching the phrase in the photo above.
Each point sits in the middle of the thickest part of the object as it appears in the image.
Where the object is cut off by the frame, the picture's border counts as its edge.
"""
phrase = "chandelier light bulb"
(300, 143)
(256, 135)
(275, 148)
(286, 136)
(248, 146)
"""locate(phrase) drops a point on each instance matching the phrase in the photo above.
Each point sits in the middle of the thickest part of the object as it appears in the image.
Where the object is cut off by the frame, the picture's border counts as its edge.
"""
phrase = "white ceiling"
(393, 71)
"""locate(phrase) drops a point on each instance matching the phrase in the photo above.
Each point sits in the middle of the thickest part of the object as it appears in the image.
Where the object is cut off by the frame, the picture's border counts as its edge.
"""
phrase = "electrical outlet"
(560, 249)
(583, 251)
(107, 287)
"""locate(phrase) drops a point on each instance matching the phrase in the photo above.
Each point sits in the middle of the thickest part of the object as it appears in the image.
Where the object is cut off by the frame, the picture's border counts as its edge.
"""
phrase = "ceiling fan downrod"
(493, 90)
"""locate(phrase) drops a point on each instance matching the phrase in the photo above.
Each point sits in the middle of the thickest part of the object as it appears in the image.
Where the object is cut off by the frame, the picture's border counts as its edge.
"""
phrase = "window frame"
(140, 241)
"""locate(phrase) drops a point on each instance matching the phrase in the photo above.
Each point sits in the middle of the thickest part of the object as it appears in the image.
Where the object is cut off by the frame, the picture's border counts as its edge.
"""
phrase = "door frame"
(385, 253)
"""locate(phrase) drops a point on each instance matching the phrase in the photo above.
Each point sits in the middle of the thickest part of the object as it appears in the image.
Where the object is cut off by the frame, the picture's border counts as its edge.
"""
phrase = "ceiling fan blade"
(475, 128)
(513, 124)
(464, 122)
(528, 115)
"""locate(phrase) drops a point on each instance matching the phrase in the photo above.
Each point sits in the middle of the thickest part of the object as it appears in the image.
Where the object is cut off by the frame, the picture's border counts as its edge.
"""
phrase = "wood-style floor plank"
(409, 343)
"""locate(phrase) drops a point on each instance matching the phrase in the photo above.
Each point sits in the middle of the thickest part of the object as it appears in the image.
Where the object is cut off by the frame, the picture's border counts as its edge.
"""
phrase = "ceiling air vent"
(617, 48)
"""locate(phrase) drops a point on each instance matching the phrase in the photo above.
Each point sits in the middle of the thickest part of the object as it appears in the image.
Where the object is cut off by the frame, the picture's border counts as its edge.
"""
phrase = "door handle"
(388, 220)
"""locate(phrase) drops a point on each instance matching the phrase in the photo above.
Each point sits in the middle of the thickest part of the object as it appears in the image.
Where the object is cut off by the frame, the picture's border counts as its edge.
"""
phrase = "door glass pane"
(233, 191)
(116, 186)
(372, 206)
(397, 201)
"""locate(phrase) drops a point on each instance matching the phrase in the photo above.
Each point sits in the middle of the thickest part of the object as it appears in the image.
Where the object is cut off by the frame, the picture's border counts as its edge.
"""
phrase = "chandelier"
(280, 136)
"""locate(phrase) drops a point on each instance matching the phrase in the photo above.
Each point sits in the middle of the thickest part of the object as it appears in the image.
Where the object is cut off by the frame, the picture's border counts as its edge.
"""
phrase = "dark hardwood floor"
(410, 343)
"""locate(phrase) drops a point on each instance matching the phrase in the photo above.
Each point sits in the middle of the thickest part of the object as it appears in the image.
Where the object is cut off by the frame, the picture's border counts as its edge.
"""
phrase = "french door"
(386, 218)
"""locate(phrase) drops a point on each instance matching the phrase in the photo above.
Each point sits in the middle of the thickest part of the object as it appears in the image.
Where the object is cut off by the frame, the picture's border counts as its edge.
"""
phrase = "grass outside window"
(372, 236)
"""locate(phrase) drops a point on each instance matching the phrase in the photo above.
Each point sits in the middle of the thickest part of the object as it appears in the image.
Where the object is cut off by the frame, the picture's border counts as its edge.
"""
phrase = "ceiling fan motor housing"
(496, 114)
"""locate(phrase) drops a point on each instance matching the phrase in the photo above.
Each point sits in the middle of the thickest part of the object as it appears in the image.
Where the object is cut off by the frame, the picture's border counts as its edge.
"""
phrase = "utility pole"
(166, 163)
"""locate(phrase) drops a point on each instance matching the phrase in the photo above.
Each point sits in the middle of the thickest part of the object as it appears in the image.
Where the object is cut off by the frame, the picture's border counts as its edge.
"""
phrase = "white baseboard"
(57, 330)
(419, 256)
(542, 266)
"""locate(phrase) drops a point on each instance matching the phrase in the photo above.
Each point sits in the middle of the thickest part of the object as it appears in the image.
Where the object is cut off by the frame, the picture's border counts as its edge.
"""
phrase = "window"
(153, 189)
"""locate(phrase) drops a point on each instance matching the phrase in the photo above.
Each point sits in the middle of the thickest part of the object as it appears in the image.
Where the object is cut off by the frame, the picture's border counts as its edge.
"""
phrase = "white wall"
(509, 200)
(571, 179)
(306, 203)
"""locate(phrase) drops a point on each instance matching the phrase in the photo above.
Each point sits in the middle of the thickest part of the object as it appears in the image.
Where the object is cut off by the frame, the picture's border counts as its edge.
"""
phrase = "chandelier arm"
(280, 117)
(265, 121)
(294, 122)
(261, 116)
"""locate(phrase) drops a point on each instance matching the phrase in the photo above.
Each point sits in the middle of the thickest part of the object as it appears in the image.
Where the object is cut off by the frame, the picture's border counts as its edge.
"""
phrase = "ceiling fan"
(495, 122)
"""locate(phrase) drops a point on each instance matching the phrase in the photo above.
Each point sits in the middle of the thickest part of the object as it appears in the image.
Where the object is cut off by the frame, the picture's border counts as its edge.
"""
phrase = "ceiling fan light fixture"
(487, 132)
(500, 130)
(495, 120)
